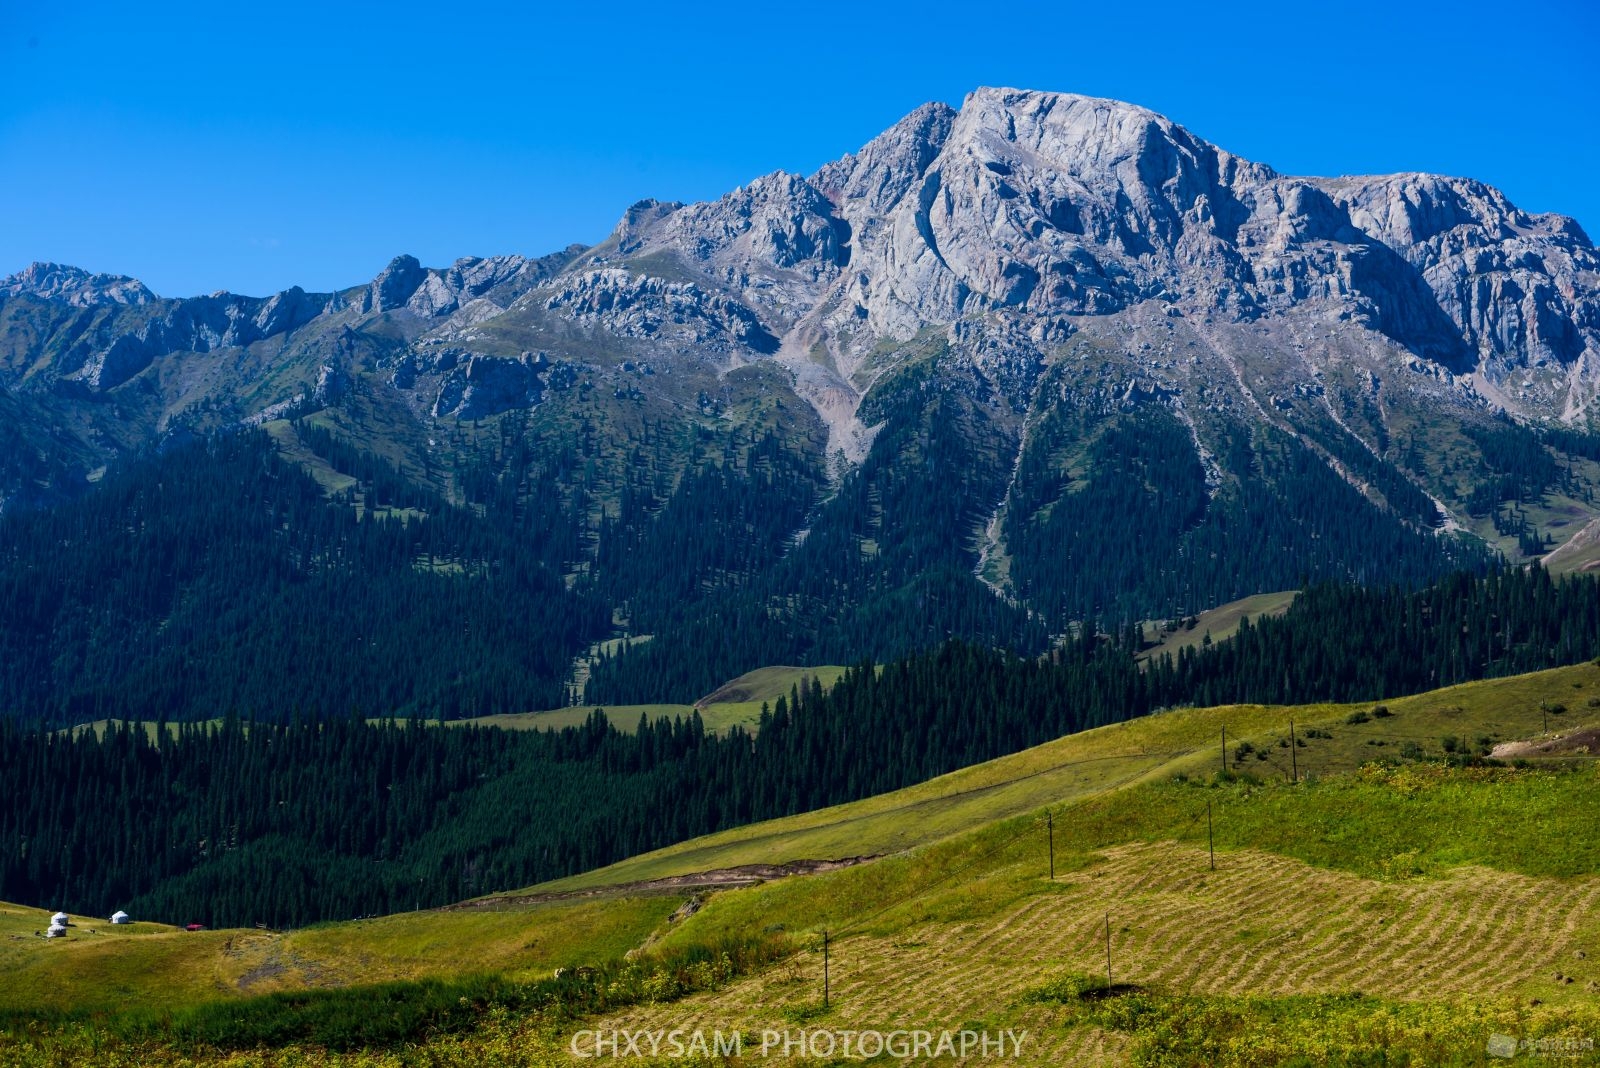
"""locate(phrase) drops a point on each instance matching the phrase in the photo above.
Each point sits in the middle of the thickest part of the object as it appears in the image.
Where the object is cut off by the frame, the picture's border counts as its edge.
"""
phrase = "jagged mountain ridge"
(1005, 303)
(75, 286)
(1044, 203)
(1047, 204)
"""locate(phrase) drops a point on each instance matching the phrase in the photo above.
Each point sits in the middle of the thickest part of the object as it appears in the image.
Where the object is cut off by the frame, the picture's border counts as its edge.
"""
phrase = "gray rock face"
(1518, 288)
(201, 324)
(777, 221)
(442, 293)
(1074, 206)
(74, 286)
(1055, 204)
(772, 246)
(395, 285)
(640, 221)
(640, 306)
(1063, 207)
(477, 387)
(1024, 234)
(468, 385)
(865, 184)
(115, 351)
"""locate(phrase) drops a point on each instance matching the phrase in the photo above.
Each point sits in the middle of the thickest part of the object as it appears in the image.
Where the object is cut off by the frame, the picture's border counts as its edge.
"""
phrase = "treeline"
(1141, 534)
(289, 823)
(286, 823)
(1109, 516)
(1344, 643)
(219, 578)
(1517, 466)
(381, 485)
(881, 567)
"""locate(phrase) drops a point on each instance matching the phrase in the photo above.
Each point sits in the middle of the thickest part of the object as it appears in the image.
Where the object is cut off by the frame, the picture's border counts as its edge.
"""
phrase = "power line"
(1005, 844)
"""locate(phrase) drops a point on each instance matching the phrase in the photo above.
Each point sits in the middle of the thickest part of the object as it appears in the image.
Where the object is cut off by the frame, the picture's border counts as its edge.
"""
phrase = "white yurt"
(120, 917)
(61, 919)
(56, 930)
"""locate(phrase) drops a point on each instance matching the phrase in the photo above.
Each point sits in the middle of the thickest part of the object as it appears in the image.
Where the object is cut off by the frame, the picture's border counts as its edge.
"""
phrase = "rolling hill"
(1396, 899)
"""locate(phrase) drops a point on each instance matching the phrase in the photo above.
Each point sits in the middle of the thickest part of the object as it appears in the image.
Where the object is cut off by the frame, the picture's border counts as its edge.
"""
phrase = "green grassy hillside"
(622, 717)
(736, 703)
(101, 968)
(1216, 623)
(1579, 552)
(1401, 901)
(1182, 741)
(740, 701)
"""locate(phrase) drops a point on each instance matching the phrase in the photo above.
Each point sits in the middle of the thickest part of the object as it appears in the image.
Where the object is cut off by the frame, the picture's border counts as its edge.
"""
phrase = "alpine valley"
(1041, 582)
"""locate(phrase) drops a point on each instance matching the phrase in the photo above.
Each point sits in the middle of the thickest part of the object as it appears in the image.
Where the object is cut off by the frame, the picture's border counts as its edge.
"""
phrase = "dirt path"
(715, 879)
(1582, 741)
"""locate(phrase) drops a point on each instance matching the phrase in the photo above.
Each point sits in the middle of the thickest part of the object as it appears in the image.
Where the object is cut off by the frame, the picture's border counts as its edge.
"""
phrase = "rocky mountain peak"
(1046, 201)
(778, 222)
(1058, 204)
(1054, 209)
(74, 286)
(875, 178)
(395, 284)
(639, 220)
(443, 292)
(1088, 136)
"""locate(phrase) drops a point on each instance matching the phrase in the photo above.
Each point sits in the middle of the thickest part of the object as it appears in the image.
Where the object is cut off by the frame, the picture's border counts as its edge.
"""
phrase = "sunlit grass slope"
(1084, 765)
(1219, 622)
(736, 703)
(1379, 908)
(154, 966)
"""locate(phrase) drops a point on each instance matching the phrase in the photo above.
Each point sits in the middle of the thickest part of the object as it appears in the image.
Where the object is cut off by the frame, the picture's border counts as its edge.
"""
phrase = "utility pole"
(824, 967)
(1108, 952)
(1050, 828)
(1294, 758)
(1211, 838)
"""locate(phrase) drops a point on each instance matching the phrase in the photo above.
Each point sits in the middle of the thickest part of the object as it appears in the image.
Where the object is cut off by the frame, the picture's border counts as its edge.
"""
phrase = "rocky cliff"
(1037, 274)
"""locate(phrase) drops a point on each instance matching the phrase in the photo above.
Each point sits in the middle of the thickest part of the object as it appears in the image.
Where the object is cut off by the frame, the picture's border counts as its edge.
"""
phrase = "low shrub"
(387, 1015)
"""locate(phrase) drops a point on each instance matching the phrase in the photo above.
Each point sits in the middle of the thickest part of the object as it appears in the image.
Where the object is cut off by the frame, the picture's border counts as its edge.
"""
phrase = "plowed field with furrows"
(1261, 924)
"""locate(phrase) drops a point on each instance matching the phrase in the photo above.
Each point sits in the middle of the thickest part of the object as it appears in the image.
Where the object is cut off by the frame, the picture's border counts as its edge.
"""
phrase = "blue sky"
(251, 147)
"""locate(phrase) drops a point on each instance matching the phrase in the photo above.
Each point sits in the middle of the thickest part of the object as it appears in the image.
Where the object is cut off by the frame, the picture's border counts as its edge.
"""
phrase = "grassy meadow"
(1085, 765)
(1384, 895)
(734, 704)
(1216, 623)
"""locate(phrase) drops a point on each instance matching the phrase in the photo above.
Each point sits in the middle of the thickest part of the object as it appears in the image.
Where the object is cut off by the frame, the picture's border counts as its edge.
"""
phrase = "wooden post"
(824, 967)
(1211, 838)
(1294, 758)
(1050, 828)
(1224, 750)
(1108, 951)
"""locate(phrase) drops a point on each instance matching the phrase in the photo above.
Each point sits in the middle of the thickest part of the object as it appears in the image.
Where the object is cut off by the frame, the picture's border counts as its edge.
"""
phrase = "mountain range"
(1039, 361)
